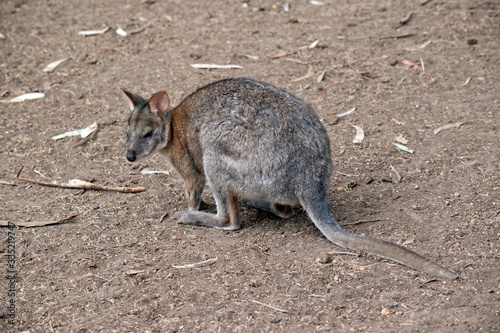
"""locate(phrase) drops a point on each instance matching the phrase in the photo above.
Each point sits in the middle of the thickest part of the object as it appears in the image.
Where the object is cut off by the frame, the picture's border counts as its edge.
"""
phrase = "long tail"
(323, 218)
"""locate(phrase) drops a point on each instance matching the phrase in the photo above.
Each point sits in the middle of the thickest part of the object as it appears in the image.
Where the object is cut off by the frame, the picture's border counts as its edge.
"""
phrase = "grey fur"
(253, 141)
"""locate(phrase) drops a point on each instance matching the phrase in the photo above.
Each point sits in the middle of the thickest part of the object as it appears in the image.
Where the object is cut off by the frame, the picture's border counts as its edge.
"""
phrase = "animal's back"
(260, 140)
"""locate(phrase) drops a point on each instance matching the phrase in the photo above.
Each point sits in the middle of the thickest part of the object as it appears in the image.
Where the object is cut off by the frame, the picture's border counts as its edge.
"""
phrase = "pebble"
(385, 312)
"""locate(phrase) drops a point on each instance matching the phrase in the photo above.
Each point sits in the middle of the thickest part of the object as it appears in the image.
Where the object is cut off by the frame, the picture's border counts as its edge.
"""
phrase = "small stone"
(385, 312)
(340, 189)
(417, 187)
(456, 195)
(175, 237)
(472, 41)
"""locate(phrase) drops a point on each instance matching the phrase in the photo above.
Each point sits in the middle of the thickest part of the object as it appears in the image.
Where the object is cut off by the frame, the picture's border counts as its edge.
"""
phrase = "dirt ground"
(111, 269)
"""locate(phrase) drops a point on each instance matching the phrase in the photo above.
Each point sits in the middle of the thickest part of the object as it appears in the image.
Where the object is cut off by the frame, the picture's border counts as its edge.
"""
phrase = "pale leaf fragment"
(93, 32)
(314, 44)
(25, 97)
(396, 172)
(84, 132)
(215, 66)
(404, 148)
(50, 67)
(340, 115)
(360, 134)
(448, 126)
(400, 138)
(121, 32)
(2, 36)
(310, 72)
(321, 76)
(317, 3)
(154, 172)
(196, 264)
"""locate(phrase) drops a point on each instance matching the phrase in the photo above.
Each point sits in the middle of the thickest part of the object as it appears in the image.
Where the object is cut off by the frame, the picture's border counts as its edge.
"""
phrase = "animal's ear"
(132, 100)
(159, 103)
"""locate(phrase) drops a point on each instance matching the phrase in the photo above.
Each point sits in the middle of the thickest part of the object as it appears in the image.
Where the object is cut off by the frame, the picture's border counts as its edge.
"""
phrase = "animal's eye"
(148, 134)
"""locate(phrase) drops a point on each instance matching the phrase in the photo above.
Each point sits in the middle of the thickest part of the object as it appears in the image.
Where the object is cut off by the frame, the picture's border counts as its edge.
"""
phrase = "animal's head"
(148, 125)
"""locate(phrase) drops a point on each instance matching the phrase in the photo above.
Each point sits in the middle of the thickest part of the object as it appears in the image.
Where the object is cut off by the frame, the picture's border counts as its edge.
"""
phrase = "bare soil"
(111, 269)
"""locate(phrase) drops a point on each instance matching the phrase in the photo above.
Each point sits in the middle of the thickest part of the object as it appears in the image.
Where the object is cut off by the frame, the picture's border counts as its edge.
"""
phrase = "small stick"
(269, 306)
(398, 36)
(362, 221)
(36, 223)
(349, 253)
(346, 174)
(86, 139)
(304, 62)
(310, 72)
(77, 183)
(97, 276)
(201, 263)
(162, 217)
(320, 296)
(2, 182)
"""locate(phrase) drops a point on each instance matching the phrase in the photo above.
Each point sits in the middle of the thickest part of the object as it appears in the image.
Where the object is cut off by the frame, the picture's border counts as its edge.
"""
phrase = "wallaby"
(253, 142)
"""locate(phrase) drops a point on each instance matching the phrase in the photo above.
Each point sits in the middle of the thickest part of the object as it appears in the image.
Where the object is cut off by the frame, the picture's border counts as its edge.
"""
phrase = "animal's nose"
(131, 156)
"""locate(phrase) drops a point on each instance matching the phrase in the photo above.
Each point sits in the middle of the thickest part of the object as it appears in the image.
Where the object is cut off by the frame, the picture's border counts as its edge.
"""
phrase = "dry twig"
(269, 306)
(35, 223)
(81, 184)
(363, 221)
(201, 263)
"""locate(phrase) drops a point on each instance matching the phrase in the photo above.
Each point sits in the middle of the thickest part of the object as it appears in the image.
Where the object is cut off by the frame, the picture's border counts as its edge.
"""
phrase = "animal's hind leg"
(227, 218)
(283, 211)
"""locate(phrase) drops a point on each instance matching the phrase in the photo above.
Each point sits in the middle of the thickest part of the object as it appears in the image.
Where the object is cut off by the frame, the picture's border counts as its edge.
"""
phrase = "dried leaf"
(454, 125)
(321, 76)
(340, 115)
(360, 134)
(310, 72)
(93, 32)
(399, 123)
(50, 67)
(153, 172)
(215, 66)
(314, 44)
(253, 57)
(406, 19)
(121, 32)
(25, 97)
(404, 148)
(396, 172)
(410, 63)
(424, 45)
(134, 271)
(84, 132)
(401, 139)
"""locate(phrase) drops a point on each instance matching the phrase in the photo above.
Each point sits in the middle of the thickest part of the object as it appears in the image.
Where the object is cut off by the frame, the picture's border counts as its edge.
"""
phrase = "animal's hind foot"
(205, 220)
